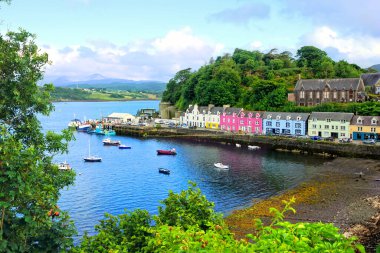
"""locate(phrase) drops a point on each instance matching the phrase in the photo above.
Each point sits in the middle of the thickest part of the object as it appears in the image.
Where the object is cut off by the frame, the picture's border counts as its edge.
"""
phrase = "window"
(269, 123)
(277, 124)
(298, 125)
(287, 124)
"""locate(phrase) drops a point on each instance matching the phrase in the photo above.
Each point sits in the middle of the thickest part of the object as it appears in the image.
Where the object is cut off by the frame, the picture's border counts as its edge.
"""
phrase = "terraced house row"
(323, 124)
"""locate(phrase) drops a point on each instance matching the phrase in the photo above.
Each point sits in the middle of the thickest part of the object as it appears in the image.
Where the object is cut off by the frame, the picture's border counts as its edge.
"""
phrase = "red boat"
(166, 152)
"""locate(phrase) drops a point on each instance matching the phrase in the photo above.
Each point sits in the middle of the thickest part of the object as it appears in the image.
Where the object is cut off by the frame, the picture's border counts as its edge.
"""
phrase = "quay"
(279, 143)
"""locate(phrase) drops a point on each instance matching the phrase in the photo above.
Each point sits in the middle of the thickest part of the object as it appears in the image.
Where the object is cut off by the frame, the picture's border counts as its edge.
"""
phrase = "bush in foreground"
(188, 223)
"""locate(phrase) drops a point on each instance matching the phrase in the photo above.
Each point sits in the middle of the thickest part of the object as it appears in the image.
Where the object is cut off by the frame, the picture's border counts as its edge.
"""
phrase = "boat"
(91, 158)
(110, 132)
(221, 166)
(238, 145)
(64, 166)
(166, 152)
(124, 147)
(163, 171)
(109, 142)
(251, 147)
(84, 128)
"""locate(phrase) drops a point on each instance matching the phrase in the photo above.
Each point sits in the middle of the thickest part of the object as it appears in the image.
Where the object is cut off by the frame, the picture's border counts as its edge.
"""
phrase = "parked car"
(316, 138)
(345, 140)
(369, 141)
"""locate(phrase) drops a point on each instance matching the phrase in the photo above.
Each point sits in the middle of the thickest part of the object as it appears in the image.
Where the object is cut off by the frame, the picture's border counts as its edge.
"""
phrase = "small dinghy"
(163, 171)
(221, 166)
(124, 147)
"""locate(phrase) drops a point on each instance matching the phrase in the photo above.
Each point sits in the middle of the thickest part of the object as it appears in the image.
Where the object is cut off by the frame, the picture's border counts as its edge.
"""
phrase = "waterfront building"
(310, 92)
(330, 124)
(285, 123)
(229, 119)
(212, 117)
(119, 118)
(250, 122)
(194, 116)
(365, 127)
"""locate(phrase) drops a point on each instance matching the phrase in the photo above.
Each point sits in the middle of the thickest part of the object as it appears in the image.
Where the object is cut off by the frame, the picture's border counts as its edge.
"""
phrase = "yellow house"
(365, 127)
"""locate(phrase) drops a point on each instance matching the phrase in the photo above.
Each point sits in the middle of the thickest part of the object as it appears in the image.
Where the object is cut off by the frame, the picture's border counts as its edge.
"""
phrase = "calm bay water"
(129, 179)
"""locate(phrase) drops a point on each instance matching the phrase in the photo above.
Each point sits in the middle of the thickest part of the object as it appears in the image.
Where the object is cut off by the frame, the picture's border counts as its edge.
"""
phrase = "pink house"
(229, 119)
(237, 120)
(251, 122)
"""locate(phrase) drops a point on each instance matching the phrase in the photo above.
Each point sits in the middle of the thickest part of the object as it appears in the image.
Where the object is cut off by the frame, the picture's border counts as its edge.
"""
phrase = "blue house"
(285, 123)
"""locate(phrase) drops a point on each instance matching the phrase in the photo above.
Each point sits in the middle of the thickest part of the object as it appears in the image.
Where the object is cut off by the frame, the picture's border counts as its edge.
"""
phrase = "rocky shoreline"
(346, 193)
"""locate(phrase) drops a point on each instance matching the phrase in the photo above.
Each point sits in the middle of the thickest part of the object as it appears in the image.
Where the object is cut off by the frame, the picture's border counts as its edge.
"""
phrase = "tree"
(29, 182)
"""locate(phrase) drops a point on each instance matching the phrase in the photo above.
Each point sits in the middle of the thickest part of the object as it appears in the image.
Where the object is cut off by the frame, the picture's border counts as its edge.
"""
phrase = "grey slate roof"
(319, 84)
(366, 120)
(370, 79)
(231, 110)
(334, 116)
(215, 110)
(284, 115)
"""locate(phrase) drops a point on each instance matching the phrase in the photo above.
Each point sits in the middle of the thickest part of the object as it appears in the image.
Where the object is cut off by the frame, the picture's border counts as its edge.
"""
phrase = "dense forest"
(254, 80)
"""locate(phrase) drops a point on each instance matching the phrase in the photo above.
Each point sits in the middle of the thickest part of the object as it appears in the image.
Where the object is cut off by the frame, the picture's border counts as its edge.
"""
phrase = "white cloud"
(359, 49)
(157, 59)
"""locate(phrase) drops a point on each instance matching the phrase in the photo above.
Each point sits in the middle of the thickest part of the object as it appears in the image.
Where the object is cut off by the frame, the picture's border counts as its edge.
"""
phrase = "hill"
(98, 81)
(377, 67)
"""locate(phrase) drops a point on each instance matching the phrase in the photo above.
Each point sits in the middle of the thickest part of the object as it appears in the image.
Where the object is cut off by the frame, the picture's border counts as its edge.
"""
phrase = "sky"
(153, 39)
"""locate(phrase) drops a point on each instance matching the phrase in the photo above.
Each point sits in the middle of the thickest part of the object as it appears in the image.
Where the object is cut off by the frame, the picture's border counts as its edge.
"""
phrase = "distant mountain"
(98, 81)
(377, 67)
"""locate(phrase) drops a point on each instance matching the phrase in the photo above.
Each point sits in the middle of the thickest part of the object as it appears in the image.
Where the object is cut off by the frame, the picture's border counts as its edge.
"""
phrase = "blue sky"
(152, 39)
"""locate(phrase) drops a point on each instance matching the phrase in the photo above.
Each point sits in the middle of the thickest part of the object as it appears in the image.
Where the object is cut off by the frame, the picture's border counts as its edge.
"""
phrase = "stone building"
(310, 92)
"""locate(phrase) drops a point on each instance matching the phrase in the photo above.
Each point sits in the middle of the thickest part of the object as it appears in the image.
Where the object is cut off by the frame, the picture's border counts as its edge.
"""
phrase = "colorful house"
(229, 119)
(330, 124)
(212, 117)
(250, 122)
(365, 127)
(194, 116)
(285, 123)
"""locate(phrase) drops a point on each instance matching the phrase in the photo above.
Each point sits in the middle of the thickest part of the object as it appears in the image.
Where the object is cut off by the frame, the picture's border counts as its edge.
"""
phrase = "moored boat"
(64, 166)
(251, 147)
(163, 171)
(166, 152)
(221, 166)
(109, 142)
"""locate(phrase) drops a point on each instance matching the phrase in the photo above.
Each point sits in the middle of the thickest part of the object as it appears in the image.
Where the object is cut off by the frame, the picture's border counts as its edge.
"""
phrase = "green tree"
(29, 182)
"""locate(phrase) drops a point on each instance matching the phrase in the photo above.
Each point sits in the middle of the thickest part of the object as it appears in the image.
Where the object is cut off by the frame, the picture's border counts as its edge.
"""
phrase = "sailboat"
(91, 158)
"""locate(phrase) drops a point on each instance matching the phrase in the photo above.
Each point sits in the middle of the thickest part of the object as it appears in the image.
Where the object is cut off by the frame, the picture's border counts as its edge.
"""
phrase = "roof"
(319, 84)
(370, 79)
(366, 120)
(334, 116)
(231, 110)
(285, 115)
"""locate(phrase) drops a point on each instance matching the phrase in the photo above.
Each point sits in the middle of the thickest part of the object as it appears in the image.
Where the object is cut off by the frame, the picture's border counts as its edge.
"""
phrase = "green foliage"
(237, 80)
(29, 182)
(188, 208)
(187, 223)
(128, 232)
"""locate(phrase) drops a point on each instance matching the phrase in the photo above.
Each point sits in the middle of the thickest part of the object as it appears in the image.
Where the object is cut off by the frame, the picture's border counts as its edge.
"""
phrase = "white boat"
(238, 145)
(221, 166)
(64, 166)
(91, 158)
(250, 147)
